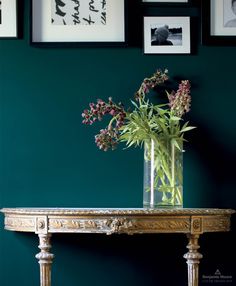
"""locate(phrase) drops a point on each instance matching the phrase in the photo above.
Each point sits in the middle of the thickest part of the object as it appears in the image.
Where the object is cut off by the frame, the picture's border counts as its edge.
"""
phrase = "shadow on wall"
(218, 160)
(123, 260)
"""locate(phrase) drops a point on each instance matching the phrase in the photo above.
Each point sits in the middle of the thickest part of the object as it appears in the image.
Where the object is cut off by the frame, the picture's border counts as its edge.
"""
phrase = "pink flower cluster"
(101, 108)
(180, 101)
(107, 138)
(149, 83)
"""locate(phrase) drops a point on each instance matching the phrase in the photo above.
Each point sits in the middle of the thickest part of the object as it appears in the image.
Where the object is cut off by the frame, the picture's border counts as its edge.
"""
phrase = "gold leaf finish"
(45, 259)
(109, 221)
(115, 211)
(45, 221)
(218, 223)
(19, 223)
(193, 259)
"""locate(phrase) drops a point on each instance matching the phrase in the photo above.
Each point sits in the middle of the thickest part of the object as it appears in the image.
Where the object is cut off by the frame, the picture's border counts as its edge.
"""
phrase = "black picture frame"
(113, 33)
(166, 3)
(183, 44)
(9, 19)
(215, 34)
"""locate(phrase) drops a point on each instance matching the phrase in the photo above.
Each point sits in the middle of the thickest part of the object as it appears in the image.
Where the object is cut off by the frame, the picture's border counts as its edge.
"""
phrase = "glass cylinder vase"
(163, 175)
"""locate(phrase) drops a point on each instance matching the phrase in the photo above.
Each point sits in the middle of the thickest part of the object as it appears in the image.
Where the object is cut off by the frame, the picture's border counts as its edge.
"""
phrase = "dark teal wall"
(48, 158)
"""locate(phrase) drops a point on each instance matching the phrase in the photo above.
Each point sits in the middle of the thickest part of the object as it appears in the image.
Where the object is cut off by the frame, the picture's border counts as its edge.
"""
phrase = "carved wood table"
(45, 222)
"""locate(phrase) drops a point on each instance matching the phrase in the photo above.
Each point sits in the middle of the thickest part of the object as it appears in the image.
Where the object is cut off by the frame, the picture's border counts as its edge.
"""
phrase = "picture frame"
(166, 35)
(78, 23)
(8, 19)
(166, 2)
(218, 23)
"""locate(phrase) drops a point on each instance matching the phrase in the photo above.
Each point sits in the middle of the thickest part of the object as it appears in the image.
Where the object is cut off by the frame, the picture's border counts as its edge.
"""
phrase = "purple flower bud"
(112, 112)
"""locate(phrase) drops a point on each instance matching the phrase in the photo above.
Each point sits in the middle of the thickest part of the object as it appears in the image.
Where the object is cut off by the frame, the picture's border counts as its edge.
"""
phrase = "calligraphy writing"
(79, 12)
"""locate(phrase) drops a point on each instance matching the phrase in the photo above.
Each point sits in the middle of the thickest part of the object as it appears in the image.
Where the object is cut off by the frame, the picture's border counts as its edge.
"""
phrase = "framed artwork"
(166, 35)
(165, 1)
(8, 19)
(219, 22)
(78, 23)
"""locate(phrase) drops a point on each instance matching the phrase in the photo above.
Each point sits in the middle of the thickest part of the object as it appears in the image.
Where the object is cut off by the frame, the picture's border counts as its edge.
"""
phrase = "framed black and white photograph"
(219, 22)
(8, 19)
(78, 22)
(166, 35)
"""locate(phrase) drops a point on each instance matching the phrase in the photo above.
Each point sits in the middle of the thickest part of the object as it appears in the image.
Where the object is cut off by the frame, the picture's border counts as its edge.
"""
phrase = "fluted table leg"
(193, 259)
(45, 259)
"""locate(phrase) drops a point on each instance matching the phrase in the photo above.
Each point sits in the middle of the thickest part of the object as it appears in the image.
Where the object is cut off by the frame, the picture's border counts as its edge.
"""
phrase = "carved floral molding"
(110, 221)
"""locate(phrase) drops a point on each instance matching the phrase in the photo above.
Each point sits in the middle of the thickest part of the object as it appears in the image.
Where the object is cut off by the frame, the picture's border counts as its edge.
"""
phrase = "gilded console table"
(45, 222)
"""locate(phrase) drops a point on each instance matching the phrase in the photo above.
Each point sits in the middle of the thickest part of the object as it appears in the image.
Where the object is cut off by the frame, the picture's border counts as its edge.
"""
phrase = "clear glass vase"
(163, 175)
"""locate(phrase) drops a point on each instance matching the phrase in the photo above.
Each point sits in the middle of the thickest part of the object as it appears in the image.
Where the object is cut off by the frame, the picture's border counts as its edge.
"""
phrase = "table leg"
(193, 259)
(45, 259)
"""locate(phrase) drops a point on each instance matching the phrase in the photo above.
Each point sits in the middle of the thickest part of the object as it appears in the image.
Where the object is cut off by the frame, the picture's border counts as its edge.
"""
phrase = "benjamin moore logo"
(217, 277)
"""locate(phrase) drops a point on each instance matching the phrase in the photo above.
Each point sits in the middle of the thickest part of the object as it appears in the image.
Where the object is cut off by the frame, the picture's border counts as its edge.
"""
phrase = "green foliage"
(156, 122)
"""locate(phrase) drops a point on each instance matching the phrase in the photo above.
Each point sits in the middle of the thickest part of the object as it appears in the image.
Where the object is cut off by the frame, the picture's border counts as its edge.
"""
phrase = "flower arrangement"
(161, 124)
(146, 120)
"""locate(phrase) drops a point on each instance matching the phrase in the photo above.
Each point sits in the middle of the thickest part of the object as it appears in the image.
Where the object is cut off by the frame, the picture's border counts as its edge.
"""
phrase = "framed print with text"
(78, 22)
(219, 22)
(165, 1)
(166, 35)
(8, 19)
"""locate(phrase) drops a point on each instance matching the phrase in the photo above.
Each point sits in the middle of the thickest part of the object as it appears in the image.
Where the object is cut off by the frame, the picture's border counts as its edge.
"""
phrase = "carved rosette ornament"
(196, 225)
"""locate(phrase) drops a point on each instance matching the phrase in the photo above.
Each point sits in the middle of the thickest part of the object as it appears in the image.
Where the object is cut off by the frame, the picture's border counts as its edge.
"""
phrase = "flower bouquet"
(159, 128)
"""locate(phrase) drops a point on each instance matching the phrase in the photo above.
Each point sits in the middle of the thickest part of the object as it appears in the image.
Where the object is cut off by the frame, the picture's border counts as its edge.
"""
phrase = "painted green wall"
(48, 158)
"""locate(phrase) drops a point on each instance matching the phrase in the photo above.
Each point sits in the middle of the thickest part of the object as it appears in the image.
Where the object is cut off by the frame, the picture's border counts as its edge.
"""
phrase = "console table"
(47, 221)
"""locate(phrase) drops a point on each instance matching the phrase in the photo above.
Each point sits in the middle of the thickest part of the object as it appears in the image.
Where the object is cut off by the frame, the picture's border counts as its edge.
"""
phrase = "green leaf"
(175, 118)
(187, 128)
(176, 144)
(134, 103)
(185, 124)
